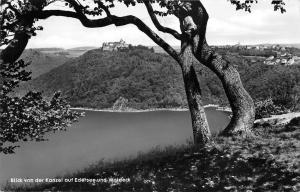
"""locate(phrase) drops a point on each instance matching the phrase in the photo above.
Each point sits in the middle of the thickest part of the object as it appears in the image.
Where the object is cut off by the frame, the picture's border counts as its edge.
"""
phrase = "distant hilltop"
(114, 46)
(119, 45)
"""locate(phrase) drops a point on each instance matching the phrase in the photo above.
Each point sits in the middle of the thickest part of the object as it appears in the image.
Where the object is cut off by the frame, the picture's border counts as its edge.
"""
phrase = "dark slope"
(97, 79)
(147, 79)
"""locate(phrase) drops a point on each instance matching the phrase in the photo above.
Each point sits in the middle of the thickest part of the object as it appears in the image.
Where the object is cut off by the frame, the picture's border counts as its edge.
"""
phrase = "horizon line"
(170, 45)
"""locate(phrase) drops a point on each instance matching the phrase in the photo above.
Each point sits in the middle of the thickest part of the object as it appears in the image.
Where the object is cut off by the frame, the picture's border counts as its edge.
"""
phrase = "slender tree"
(193, 19)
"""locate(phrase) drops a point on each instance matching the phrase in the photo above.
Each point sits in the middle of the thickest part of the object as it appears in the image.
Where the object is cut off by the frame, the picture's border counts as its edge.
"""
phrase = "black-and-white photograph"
(149, 95)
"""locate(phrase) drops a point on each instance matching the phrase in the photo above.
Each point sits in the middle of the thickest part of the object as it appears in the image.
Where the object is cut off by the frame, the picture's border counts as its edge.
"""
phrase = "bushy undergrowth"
(266, 108)
(267, 162)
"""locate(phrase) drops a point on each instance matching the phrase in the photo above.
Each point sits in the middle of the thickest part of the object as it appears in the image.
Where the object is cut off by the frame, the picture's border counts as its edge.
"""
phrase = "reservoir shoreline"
(218, 108)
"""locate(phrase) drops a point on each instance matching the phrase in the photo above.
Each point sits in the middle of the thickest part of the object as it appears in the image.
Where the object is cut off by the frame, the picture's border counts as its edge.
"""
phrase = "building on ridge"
(115, 46)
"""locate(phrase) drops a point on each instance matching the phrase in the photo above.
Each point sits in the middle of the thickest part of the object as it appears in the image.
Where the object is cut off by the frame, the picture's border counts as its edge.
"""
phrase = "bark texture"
(193, 21)
(200, 126)
(241, 103)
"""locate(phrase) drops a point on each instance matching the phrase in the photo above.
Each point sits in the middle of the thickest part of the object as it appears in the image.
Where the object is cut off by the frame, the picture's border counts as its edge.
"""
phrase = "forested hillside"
(41, 62)
(149, 80)
(97, 79)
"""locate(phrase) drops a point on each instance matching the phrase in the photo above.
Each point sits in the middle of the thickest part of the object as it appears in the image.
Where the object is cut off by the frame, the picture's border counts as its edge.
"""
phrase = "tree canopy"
(30, 117)
(97, 13)
(19, 16)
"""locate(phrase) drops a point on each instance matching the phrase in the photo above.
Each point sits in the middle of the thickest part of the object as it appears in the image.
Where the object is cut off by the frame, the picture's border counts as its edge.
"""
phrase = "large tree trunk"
(200, 126)
(14, 50)
(193, 20)
(243, 112)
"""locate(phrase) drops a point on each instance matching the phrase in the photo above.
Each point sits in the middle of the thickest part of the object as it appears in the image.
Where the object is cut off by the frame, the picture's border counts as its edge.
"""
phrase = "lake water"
(99, 135)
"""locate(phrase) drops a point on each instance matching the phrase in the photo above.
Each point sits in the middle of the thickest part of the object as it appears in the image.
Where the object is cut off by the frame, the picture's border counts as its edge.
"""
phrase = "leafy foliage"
(28, 117)
(279, 82)
(247, 5)
(267, 108)
(31, 116)
(12, 14)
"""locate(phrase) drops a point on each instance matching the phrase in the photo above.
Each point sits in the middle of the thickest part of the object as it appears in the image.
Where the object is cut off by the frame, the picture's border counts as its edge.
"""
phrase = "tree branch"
(77, 7)
(102, 6)
(16, 47)
(157, 24)
(115, 20)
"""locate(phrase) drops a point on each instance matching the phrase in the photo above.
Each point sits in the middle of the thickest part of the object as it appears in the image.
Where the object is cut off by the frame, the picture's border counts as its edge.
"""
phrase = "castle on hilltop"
(114, 46)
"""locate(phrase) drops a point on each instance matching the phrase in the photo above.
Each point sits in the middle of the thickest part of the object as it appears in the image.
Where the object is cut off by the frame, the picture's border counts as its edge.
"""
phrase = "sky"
(225, 26)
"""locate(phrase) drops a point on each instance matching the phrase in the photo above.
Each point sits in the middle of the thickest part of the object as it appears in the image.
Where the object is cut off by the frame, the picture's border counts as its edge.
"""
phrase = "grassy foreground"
(268, 162)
